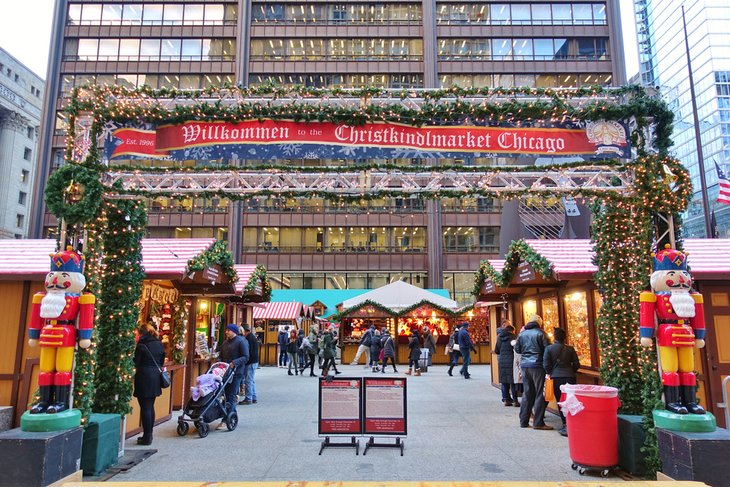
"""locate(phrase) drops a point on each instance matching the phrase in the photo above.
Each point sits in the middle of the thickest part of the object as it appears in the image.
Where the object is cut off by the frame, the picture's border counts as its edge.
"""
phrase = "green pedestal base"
(50, 422)
(695, 423)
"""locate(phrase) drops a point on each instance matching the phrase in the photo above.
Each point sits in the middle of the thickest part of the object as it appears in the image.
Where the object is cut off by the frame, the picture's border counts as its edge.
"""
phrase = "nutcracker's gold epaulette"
(37, 298)
(87, 299)
(647, 297)
(699, 299)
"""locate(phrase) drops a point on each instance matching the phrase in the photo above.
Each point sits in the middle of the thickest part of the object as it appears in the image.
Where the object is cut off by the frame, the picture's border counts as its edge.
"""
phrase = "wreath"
(74, 193)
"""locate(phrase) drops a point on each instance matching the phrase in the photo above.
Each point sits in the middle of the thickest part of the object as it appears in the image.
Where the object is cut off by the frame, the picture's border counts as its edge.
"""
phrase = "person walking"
(561, 364)
(309, 348)
(328, 344)
(291, 351)
(300, 351)
(414, 354)
(375, 348)
(388, 349)
(505, 362)
(466, 347)
(249, 371)
(149, 358)
(531, 344)
(234, 351)
(283, 340)
(429, 342)
(453, 349)
(364, 347)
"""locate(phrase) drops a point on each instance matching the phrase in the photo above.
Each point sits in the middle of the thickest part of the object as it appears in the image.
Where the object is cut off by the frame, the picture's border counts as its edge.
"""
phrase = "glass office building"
(315, 243)
(663, 63)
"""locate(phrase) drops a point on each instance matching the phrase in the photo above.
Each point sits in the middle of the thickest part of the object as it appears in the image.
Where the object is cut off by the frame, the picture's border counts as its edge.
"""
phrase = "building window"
(24, 175)
(19, 220)
(27, 154)
(31, 132)
(22, 197)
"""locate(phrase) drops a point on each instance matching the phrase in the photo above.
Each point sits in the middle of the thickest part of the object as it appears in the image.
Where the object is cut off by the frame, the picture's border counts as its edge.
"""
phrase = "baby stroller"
(210, 406)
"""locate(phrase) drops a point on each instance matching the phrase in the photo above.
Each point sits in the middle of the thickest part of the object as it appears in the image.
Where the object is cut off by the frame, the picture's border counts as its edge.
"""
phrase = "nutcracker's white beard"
(52, 304)
(683, 304)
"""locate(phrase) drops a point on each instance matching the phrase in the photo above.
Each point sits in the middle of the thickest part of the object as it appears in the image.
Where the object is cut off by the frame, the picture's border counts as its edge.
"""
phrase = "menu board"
(339, 406)
(385, 409)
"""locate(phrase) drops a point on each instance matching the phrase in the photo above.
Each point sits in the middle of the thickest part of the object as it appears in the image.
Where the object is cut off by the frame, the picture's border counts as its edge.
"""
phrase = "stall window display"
(550, 316)
(353, 328)
(420, 317)
(529, 308)
(576, 316)
(597, 303)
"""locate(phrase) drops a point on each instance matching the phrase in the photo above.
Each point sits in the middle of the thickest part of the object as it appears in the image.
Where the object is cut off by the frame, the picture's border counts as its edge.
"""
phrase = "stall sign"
(488, 287)
(339, 406)
(525, 272)
(159, 294)
(385, 411)
(211, 274)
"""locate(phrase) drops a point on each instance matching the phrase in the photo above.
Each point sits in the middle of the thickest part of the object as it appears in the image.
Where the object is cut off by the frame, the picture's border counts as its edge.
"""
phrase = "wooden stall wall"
(716, 354)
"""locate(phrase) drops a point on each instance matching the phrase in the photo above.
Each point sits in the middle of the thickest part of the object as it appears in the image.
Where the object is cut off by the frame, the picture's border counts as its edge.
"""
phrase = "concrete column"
(430, 46)
(435, 244)
(11, 124)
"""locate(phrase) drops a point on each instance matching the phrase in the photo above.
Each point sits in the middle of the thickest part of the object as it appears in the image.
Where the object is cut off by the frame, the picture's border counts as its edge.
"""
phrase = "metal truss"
(371, 182)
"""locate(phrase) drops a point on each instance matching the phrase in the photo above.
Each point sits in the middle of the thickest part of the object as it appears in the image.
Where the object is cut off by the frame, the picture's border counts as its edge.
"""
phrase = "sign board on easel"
(385, 412)
(340, 411)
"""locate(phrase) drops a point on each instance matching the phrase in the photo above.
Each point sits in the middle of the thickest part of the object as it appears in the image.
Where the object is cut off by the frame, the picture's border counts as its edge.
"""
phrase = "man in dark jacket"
(561, 364)
(283, 340)
(234, 351)
(531, 343)
(364, 347)
(249, 371)
(466, 346)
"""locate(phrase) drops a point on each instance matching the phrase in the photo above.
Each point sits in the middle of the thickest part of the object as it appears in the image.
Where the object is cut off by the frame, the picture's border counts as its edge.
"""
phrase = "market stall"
(403, 308)
(252, 288)
(185, 294)
(23, 267)
(270, 318)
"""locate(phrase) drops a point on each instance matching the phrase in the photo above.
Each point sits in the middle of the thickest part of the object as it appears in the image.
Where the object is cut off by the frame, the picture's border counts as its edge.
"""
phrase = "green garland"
(120, 290)
(367, 302)
(179, 329)
(90, 193)
(404, 312)
(518, 251)
(259, 275)
(217, 253)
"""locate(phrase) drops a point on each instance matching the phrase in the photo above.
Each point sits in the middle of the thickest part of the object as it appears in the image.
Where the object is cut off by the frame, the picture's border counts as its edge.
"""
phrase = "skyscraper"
(663, 59)
(313, 243)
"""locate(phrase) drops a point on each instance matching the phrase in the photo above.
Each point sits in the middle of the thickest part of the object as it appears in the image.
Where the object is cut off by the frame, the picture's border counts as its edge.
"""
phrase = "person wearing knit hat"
(536, 319)
(234, 351)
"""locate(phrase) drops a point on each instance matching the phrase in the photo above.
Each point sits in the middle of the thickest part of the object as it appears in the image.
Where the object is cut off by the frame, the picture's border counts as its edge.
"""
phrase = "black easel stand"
(328, 444)
(371, 444)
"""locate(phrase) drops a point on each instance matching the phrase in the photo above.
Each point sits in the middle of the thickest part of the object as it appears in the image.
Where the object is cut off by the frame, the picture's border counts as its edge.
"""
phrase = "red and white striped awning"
(708, 258)
(570, 258)
(497, 264)
(167, 258)
(25, 259)
(244, 272)
(278, 311)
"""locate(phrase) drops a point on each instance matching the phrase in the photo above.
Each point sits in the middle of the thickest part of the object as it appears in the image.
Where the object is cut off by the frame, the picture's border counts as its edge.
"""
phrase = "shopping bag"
(549, 390)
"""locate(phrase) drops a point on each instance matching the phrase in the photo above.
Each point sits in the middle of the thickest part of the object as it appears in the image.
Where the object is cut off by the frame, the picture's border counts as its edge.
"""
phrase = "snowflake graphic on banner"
(107, 131)
(199, 153)
(348, 151)
(291, 149)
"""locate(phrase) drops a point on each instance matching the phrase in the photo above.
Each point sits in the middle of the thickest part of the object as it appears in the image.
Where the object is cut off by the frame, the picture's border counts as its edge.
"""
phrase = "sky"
(25, 32)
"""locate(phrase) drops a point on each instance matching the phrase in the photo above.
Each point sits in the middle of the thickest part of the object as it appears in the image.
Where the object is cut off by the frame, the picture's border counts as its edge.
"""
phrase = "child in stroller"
(206, 403)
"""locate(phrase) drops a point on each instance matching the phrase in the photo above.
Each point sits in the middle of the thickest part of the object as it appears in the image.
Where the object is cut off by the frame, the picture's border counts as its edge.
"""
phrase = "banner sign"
(339, 406)
(385, 407)
(283, 139)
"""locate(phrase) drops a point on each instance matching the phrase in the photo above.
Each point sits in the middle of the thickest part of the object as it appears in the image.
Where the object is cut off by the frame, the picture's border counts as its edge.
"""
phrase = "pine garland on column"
(121, 289)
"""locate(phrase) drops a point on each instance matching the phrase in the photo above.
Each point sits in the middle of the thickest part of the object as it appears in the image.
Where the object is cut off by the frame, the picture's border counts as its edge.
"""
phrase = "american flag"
(724, 194)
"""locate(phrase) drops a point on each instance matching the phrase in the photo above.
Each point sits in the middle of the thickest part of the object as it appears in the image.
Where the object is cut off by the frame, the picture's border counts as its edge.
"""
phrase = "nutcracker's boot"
(46, 393)
(673, 401)
(61, 401)
(689, 400)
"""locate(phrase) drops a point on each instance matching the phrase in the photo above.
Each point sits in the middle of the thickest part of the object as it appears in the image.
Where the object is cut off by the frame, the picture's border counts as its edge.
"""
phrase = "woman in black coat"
(506, 353)
(415, 354)
(149, 357)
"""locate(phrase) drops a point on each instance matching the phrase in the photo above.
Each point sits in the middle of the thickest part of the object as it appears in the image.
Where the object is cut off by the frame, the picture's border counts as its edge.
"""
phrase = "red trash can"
(591, 414)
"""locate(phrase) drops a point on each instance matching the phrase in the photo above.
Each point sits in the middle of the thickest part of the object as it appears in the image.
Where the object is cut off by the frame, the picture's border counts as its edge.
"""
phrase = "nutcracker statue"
(58, 317)
(679, 315)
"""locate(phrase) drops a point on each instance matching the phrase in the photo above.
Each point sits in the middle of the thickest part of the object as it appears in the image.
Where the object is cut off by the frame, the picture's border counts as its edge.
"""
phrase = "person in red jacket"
(59, 317)
(680, 316)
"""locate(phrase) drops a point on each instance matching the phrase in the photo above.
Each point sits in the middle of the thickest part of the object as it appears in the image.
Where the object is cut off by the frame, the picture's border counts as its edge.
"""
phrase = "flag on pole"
(724, 195)
(713, 226)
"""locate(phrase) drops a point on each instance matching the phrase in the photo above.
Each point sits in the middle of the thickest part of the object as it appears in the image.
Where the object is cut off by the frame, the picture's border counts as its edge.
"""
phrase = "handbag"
(455, 347)
(549, 390)
(382, 354)
(164, 376)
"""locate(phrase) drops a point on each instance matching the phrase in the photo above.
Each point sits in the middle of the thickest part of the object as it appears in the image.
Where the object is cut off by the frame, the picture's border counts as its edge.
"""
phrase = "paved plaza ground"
(457, 430)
